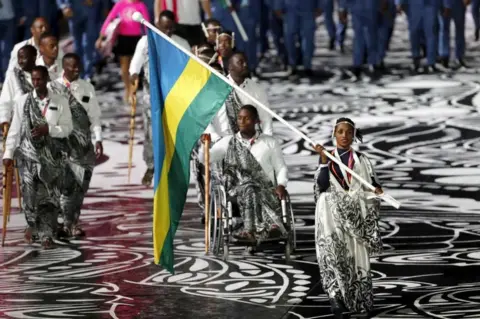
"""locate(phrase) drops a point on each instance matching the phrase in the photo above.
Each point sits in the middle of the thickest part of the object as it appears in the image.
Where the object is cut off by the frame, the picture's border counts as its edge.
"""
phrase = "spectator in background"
(225, 48)
(41, 8)
(151, 7)
(224, 14)
(211, 29)
(299, 19)
(129, 33)
(84, 22)
(10, 17)
(188, 17)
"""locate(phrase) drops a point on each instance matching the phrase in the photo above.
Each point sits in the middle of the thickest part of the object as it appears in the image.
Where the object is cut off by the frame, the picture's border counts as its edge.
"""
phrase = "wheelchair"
(222, 214)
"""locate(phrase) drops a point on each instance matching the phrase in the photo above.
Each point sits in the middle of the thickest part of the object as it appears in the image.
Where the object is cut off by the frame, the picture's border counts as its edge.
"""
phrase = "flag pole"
(237, 21)
(137, 16)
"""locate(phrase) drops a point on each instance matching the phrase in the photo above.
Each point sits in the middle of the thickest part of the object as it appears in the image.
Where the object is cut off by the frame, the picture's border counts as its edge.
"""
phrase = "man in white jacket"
(39, 27)
(49, 55)
(86, 119)
(17, 83)
(255, 173)
(41, 121)
(225, 122)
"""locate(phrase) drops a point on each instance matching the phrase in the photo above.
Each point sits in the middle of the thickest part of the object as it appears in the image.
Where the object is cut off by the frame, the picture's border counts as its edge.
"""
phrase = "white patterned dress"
(347, 232)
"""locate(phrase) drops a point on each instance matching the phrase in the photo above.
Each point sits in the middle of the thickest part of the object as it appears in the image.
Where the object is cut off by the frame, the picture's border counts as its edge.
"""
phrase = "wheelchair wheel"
(217, 213)
(288, 217)
(288, 248)
(227, 219)
(226, 251)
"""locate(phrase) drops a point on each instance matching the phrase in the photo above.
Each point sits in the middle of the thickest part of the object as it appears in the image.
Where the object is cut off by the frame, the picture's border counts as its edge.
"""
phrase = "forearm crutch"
(132, 127)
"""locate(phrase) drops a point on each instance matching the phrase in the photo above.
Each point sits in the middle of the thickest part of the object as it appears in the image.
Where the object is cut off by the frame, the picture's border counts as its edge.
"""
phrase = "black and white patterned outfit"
(346, 230)
(81, 157)
(252, 169)
(43, 159)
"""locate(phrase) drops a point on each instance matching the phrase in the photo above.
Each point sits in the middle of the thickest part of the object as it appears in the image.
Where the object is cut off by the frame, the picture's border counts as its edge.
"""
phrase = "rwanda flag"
(184, 96)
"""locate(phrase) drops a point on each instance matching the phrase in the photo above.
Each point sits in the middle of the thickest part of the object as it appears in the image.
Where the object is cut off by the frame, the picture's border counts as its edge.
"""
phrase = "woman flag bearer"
(346, 224)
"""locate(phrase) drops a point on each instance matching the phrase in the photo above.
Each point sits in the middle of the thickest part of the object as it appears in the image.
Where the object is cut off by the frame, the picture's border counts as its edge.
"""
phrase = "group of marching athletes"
(254, 169)
(48, 114)
(51, 114)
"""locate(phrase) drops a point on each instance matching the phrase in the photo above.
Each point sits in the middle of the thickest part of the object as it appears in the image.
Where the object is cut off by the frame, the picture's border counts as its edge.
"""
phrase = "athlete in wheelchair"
(253, 183)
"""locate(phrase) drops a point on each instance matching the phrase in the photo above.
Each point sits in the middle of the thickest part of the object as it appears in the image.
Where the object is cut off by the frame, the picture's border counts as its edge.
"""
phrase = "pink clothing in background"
(124, 10)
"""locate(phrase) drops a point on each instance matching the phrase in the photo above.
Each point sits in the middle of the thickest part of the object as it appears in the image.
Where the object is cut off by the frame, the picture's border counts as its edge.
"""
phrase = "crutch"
(132, 126)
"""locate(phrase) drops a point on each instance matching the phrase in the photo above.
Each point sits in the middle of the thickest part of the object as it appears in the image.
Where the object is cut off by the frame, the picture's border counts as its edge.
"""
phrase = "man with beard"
(41, 121)
(17, 83)
(85, 117)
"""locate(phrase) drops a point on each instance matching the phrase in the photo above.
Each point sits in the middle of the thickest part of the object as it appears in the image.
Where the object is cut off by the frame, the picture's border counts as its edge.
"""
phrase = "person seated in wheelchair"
(255, 174)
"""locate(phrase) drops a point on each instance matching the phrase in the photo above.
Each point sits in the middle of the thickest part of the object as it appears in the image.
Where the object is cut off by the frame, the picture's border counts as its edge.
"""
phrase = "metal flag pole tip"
(137, 16)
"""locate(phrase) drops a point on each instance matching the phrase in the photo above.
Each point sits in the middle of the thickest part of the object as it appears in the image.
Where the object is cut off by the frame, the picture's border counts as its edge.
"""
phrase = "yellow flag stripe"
(185, 90)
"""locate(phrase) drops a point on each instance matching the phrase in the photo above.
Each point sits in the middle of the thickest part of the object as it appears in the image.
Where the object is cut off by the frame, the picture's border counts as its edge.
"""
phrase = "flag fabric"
(184, 97)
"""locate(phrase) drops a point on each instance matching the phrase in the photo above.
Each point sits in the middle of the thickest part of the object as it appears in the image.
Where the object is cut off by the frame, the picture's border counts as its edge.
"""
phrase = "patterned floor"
(422, 132)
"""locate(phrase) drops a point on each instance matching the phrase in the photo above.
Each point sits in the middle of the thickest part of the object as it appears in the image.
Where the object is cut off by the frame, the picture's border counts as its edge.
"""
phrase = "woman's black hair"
(358, 133)
(253, 110)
